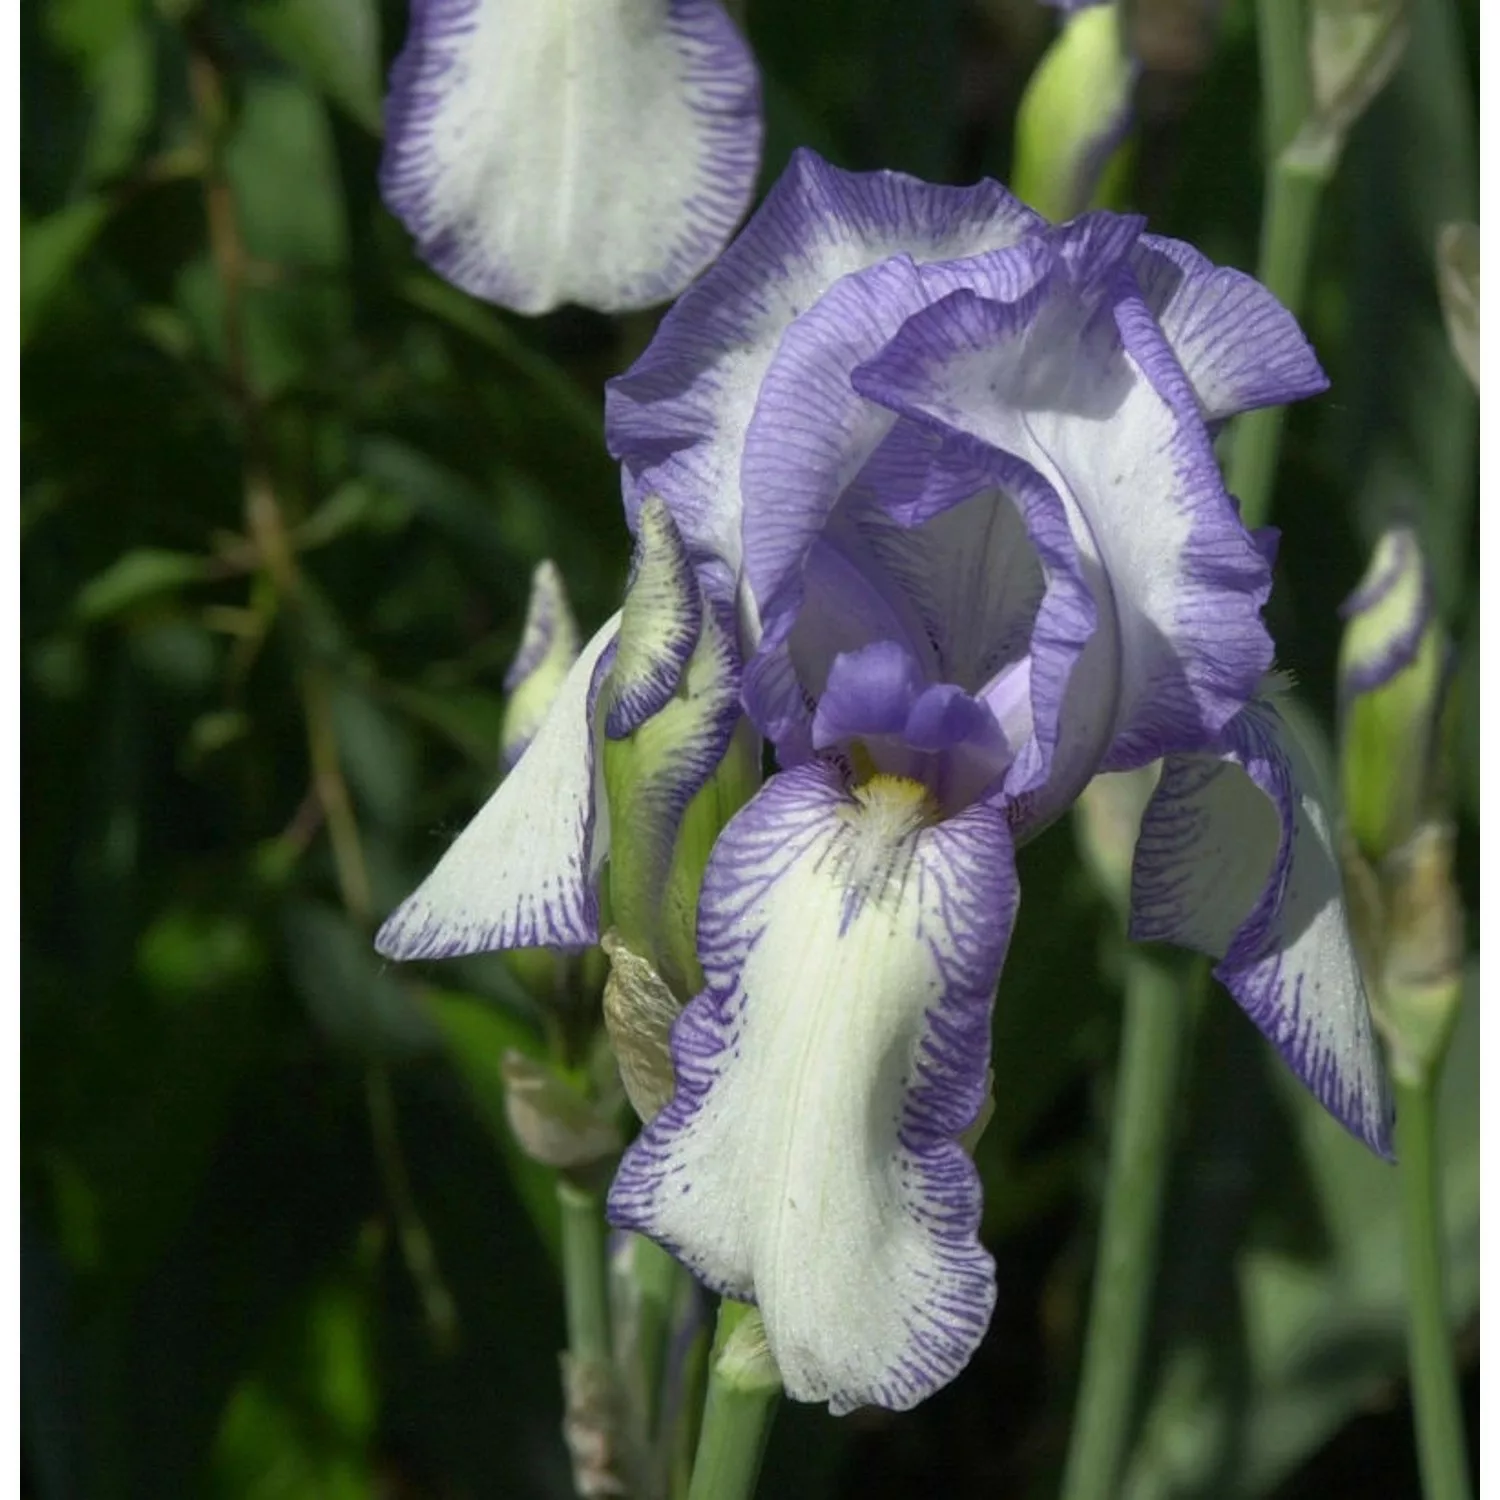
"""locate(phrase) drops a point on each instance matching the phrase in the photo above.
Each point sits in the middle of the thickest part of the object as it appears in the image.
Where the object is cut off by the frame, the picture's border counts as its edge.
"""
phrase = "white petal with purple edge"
(591, 151)
(522, 874)
(809, 1160)
(677, 418)
(1236, 859)
(1239, 347)
(1077, 383)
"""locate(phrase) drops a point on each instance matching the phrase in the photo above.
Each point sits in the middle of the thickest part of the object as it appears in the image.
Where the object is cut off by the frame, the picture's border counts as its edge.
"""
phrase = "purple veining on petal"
(677, 418)
(472, 903)
(1235, 858)
(720, 93)
(964, 882)
(1239, 347)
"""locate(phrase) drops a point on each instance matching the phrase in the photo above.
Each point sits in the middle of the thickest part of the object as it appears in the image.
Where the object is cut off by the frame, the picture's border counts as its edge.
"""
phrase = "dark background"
(281, 494)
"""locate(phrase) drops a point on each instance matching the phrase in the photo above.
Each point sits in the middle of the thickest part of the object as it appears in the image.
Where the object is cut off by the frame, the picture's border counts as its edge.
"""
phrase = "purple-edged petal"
(809, 1160)
(522, 874)
(677, 418)
(811, 431)
(1236, 859)
(549, 647)
(1077, 382)
(1239, 347)
(591, 151)
(659, 626)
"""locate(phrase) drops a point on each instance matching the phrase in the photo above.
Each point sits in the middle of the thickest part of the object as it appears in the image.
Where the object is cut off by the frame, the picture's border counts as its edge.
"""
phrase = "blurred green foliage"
(282, 491)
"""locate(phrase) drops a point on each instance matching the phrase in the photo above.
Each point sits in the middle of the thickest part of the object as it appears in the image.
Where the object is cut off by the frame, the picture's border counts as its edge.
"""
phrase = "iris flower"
(591, 151)
(941, 475)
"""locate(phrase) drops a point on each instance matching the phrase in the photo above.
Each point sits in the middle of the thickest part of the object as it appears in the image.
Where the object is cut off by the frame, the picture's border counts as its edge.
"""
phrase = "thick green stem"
(1285, 75)
(1158, 1006)
(1441, 1447)
(743, 1392)
(585, 1273)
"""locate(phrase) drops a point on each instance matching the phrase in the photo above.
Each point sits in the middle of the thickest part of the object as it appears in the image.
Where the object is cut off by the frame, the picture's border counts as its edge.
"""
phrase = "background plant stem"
(585, 1272)
(1288, 221)
(1159, 995)
(1441, 1446)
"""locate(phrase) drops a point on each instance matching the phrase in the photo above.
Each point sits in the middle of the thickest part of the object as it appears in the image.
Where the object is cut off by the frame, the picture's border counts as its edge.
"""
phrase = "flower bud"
(549, 647)
(742, 1358)
(1354, 47)
(679, 759)
(1074, 116)
(1458, 290)
(1391, 681)
(554, 1122)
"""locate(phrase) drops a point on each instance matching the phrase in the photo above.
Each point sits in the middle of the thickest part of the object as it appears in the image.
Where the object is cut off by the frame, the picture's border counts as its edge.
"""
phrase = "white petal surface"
(809, 1160)
(1236, 859)
(591, 151)
(522, 874)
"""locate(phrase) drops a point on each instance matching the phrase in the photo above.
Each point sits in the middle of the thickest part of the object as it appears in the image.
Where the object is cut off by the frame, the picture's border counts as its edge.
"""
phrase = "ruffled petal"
(1077, 382)
(1239, 347)
(677, 418)
(1236, 859)
(549, 647)
(523, 873)
(809, 1160)
(591, 151)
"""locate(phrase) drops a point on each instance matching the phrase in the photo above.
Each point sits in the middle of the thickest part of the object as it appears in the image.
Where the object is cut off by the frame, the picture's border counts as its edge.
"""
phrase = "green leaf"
(477, 1034)
(283, 172)
(1276, 1338)
(335, 44)
(51, 249)
(351, 995)
(137, 577)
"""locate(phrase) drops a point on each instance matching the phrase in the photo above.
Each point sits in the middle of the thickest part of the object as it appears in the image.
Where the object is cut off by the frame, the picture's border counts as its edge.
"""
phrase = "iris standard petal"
(677, 418)
(1236, 859)
(1076, 382)
(1239, 347)
(809, 1160)
(522, 874)
(591, 151)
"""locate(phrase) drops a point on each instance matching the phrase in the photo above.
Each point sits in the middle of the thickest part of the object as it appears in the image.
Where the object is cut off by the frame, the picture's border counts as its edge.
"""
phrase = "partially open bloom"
(944, 471)
(590, 151)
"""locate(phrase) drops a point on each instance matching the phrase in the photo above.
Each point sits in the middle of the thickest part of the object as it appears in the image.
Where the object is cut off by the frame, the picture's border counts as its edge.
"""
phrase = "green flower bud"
(1458, 290)
(1392, 669)
(555, 1123)
(549, 647)
(1073, 117)
(679, 758)
(1354, 47)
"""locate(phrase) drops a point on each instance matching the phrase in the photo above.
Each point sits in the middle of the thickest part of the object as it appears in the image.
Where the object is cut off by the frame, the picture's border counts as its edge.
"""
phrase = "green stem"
(585, 1273)
(1286, 78)
(1159, 996)
(1441, 1447)
(1292, 195)
(743, 1393)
